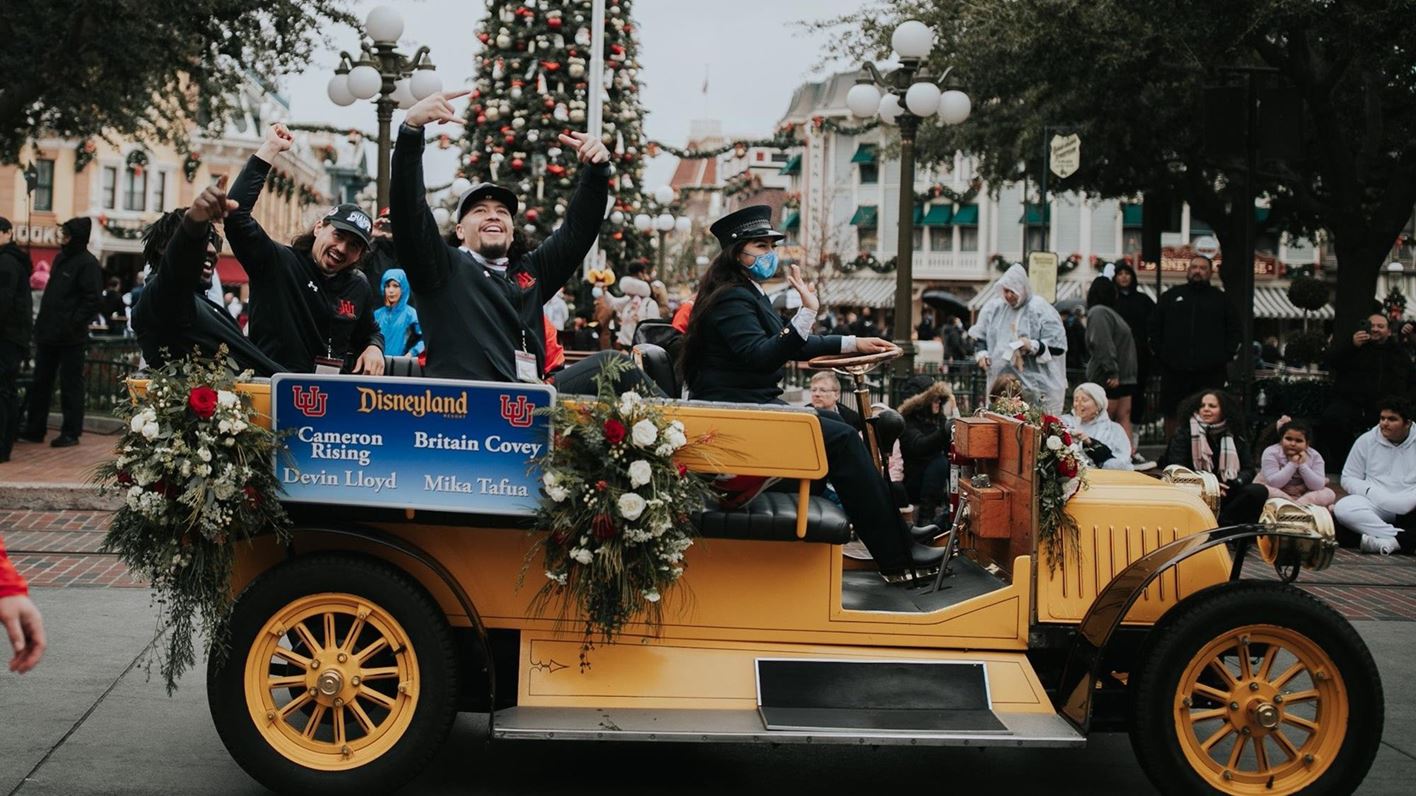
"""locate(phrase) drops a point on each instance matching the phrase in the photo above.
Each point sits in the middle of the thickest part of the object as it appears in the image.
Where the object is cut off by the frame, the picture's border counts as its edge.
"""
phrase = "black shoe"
(64, 441)
(925, 533)
(31, 436)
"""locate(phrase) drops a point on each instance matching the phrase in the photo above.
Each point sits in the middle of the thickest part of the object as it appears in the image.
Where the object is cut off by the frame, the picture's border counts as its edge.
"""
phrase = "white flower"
(1054, 443)
(664, 450)
(675, 437)
(203, 470)
(582, 556)
(224, 426)
(550, 479)
(631, 506)
(237, 426)
(557, 493)
(643, 433)
(204, 454)
(639, 473)
(628, 402)
(652, 595)
(225, 398)
(561, 579)
(137, 423)
(151, 430)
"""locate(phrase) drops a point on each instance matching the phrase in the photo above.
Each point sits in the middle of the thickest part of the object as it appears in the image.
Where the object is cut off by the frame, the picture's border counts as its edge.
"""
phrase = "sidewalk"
(40, 477)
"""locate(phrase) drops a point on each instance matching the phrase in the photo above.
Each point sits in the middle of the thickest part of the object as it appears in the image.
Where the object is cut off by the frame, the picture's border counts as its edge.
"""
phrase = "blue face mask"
(763, 266)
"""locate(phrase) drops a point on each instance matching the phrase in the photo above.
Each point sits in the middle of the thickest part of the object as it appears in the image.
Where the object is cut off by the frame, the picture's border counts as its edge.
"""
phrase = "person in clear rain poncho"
(1021, 333)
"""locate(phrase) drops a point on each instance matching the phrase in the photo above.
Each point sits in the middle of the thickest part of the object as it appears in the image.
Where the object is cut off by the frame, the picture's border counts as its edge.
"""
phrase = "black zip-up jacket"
(1194, 328)
(1368, 373)
(1136, 309)
(174, 315)
(75, 289)
(297, 313)
(474, 319)
(16, 303)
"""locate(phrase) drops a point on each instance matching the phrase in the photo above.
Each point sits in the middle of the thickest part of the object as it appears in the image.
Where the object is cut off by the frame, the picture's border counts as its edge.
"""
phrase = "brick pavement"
(37, 463)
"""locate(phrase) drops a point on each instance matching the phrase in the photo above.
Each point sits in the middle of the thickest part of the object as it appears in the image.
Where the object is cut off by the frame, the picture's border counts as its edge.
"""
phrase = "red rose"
(1066, 438)
(1066, 467)
(602, 485)
(253, 495)
(125, 478)
(682, 470)
(614, 431)
(560, 535)
(1051, 419)
(604, 527)
(1019, 416)
(202, 401)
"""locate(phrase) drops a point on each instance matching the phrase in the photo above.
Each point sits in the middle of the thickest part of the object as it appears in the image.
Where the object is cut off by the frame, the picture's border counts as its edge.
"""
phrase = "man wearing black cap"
(481, 303)
(309, 305)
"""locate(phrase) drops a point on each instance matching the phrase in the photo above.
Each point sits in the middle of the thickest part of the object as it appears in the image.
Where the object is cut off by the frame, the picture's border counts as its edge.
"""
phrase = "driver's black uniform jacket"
(475, 319)
(297, 312)
(174, 314)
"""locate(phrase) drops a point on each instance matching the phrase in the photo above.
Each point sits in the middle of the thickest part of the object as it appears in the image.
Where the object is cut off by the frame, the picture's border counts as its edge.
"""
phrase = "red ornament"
(202, 401)
(555, 169)
(614, 431)
(510, 138)
(617, 49)
(551, 66)
(484, 37)
(619, 235)
(253, 495)
(517, 164)
(554, 23)
(550, 102)
(532, 215)
(682, 470)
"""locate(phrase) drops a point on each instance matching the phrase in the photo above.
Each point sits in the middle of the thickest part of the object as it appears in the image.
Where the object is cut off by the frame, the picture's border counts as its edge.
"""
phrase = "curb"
(56, 497)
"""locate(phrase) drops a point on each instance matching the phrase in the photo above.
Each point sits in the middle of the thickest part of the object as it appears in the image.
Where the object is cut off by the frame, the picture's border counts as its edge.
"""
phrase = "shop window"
(941, 239)
(110, 187)
(159, 193)
(44, 186)
(918, 240)
(867, 239)
(135, 189)
(968, 239)
(869, 173)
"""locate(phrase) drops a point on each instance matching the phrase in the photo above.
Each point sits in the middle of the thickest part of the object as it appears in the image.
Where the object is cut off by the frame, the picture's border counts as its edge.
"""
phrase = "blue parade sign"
(438, 444)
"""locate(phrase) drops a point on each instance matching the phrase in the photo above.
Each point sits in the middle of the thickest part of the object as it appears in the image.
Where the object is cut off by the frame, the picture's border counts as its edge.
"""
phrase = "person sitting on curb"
(20, 617)
(1380, 480)
(1292, 468)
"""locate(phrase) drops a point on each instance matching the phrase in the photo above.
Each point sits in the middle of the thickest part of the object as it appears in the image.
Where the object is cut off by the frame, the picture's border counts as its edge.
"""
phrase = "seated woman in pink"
(1293, 469)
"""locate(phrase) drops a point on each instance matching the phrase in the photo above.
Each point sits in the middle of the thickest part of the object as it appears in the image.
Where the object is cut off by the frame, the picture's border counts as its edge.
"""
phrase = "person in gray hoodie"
(1113, 353)
(1380, 479)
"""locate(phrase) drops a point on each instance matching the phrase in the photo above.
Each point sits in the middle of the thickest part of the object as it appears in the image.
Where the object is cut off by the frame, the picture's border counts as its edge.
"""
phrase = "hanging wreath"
(84, 154)
(939, 191)
(137, 161)
(190, 164)
(999, 262)
(1069, 264)
(862, 260)
(1394, 303)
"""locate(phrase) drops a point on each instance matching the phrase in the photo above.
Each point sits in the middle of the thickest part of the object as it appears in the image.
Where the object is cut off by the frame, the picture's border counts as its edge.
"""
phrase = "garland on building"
(939, 191)
(868, 260)
(137, 161)
(190, 164)
(281, 183)
(84, 154)
(999, 262)
(309, 196)
(787, 136)
(532, 84)
(119, 231)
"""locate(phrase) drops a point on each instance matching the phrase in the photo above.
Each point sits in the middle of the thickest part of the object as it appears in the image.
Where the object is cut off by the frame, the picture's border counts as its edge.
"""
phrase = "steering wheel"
(852, 364)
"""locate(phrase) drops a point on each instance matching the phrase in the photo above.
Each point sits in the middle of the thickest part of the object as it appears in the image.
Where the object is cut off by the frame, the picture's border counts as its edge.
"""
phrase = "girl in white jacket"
(1380, 479)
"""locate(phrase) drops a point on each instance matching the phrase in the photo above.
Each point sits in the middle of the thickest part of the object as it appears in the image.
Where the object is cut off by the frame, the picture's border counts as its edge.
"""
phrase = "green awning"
(793, 220)
(1130, 216)
(865, 153)
(865, 216)
(793, 165)
(966, 216)
(1198, 226)
(938, 216)
(1035, 215)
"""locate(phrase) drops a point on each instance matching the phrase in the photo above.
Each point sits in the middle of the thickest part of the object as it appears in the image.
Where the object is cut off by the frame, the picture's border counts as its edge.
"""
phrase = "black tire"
(428, 636)
(1205, 618)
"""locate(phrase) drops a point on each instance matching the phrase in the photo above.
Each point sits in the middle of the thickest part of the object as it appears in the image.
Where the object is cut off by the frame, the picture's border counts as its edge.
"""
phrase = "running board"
(806, 695)
(1032, 730)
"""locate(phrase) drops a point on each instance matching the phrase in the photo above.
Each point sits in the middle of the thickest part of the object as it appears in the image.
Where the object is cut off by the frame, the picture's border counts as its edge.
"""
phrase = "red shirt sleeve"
(555, 353)
(11, 583)
(680, 320)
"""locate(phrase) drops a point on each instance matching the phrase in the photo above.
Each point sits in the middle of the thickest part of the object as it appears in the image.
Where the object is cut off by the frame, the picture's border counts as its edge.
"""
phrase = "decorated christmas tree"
(533, 82)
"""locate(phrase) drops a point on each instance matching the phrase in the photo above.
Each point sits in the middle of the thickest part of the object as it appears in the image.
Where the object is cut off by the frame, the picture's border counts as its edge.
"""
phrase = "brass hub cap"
(1260, 710)
(331, 681)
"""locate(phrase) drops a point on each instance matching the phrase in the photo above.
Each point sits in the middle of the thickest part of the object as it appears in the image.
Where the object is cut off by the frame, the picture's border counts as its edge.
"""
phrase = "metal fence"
(107, 363)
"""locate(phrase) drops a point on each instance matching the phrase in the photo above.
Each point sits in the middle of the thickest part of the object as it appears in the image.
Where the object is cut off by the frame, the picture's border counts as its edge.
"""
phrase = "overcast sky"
(753, 54)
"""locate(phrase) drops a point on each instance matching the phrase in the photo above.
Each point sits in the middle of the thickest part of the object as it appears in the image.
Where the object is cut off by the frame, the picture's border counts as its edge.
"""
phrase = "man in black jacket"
(1194, 332)
(310, 305)
(1135, 308)
(174, 314)
(1366, 368)
(16, 318)
(481, 303)
(70, 302)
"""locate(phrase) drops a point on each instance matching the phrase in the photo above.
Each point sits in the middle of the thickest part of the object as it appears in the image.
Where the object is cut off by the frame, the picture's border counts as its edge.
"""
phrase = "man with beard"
(16, 318)
(174, 314)
(70, 302)
(1194, 333)
(311, 306)
(481, 302)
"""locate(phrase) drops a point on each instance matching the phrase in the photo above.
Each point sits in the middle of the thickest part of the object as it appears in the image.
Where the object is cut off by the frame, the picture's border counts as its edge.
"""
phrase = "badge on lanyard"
(526, 370)
(327, 365)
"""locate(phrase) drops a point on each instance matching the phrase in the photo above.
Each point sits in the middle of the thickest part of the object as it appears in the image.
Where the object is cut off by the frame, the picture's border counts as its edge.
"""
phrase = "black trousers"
(10, 356)
(579, 379)
(864, 494)
(1243, 504)
(929, 489)
(67, 362)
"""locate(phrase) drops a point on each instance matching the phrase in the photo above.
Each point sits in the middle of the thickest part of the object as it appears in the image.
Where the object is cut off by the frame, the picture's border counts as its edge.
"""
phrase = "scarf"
(1203, 457)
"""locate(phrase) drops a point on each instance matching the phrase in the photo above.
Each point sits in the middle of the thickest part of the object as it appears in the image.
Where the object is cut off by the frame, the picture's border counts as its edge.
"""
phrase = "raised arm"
(422, 253)
(249, 241)
(556, 260)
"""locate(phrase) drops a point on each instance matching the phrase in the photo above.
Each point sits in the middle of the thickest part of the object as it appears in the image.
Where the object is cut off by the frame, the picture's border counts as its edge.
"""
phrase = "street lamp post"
(382, 71)
(909, 98)
(663, 223)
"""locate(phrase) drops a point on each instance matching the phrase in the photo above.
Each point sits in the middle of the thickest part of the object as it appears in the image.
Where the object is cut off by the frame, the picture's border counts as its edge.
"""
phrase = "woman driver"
(735, 349)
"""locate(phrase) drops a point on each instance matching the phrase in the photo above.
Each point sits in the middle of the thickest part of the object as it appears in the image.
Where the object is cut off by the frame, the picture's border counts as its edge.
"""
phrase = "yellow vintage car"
(353, 647)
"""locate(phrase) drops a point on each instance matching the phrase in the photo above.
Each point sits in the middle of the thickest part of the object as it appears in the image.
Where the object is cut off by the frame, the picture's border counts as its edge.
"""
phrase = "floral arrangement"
(197, 478)
(84, 154)
(617, 507)
(137, 161)
(1061, 473)
(190, 164)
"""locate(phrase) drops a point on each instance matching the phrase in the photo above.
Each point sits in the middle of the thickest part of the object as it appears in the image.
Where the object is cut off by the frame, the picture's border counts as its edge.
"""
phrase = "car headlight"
(1310, 541)
(1203, 484)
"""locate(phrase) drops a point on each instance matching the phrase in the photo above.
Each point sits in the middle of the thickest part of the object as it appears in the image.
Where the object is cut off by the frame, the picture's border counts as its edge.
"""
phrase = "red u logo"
(312, 403)
(517, 414)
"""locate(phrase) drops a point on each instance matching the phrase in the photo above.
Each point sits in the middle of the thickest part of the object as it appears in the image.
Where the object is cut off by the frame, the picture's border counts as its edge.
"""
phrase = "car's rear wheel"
(1256, 688)
(341, 677)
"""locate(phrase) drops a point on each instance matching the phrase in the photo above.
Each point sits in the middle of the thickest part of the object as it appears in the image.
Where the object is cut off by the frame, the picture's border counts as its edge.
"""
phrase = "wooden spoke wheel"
(341, 677)
(1255, 688)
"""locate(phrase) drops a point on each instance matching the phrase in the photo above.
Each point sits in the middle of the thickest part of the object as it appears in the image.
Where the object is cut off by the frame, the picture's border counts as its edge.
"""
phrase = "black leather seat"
(889, 425)
(772, 516)
(655, 361)
(402, 366)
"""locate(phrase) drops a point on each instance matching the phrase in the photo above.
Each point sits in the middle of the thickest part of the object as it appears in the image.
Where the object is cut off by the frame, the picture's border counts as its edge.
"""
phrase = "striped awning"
(1272, 302)
(1066, 289)
(859, 291)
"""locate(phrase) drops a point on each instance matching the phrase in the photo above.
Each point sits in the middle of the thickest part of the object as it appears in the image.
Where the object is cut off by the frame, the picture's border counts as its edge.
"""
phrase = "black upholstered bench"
(772, 516)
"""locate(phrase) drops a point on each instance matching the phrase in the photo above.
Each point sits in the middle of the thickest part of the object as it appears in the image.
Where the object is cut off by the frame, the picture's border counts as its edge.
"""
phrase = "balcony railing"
(950, 265)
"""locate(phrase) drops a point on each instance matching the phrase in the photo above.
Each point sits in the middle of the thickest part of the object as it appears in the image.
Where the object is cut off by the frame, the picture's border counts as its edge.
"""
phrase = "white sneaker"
(1141, 463)
(1381, 545)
